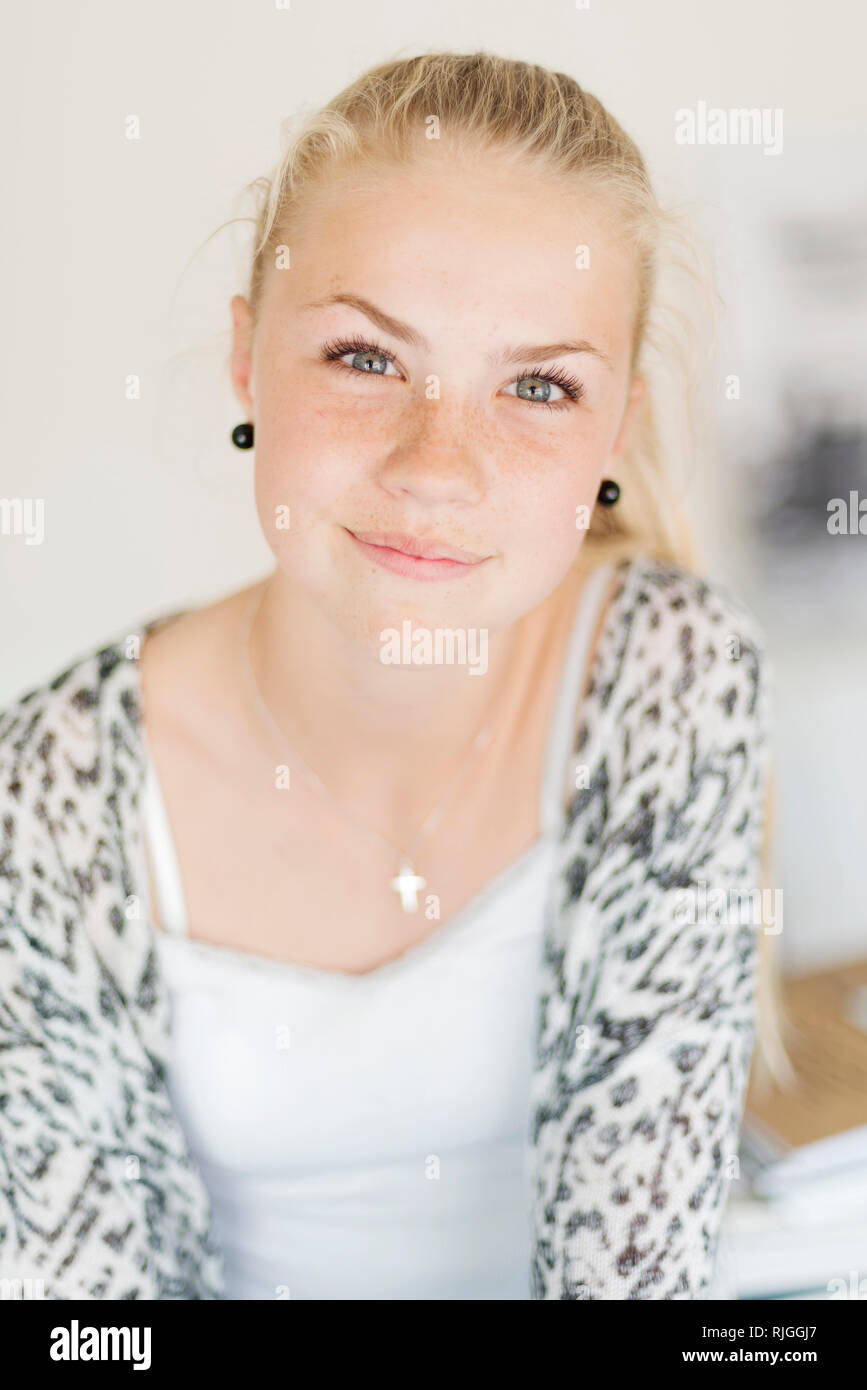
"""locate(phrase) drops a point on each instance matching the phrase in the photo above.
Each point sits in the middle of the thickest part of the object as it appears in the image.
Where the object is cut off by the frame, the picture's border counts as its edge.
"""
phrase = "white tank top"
(367, 1136)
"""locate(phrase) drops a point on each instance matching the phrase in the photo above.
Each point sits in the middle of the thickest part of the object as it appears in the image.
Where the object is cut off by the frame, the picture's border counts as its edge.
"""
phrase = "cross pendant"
(407, 885)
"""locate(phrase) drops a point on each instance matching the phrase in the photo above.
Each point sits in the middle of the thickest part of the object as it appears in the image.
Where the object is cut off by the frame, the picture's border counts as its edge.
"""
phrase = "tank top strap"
(160, 846)
(574, 673)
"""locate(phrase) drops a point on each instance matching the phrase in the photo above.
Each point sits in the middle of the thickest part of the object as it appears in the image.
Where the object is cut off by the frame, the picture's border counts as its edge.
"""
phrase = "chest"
(282, 1065)
(282, 872)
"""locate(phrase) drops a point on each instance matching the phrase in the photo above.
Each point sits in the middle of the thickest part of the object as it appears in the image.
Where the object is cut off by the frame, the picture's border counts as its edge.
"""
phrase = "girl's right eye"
(365, 357)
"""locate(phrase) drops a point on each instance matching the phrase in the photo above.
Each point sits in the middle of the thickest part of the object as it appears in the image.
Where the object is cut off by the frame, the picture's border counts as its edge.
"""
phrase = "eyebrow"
(524, 352)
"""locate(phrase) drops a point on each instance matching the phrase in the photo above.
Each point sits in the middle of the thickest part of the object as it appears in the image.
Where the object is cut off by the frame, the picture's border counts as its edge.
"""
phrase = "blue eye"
(364, 357)
(369, 362)
(536, 388)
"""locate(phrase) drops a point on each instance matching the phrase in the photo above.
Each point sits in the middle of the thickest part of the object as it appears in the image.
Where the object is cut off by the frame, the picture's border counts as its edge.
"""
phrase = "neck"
(387, 737)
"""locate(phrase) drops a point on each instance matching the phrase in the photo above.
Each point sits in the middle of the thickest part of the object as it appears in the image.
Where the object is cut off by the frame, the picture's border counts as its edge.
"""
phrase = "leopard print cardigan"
(645, 1011)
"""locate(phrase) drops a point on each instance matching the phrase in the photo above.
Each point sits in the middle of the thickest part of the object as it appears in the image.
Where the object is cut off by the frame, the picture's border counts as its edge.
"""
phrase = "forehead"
(453, 237)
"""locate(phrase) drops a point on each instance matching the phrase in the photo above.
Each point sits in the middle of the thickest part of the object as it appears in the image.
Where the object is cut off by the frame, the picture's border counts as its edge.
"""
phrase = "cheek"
(310, 448)
(550, 488)
(547, 491)
(547, 539)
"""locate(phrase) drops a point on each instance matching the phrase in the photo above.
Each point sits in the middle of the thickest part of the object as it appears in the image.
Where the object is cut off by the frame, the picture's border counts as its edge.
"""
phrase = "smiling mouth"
(416, 558)
(419, 548)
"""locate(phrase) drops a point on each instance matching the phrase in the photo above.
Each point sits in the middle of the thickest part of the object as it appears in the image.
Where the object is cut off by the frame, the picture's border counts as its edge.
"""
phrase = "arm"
(647, 1038)
(90, 1161)
(63, 1225)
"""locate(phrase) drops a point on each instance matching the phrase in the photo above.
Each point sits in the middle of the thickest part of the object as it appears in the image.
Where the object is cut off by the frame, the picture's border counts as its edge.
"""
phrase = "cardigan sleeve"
(647, 1038)
(67, 1230)
(97, 1196)
(63, 1222)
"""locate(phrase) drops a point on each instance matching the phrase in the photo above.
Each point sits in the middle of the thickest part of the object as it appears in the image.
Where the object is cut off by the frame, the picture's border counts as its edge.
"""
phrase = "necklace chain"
(408, 882)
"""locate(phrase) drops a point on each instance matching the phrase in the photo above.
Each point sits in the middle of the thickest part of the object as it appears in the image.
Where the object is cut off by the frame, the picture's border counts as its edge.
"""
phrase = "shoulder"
(61, 708)
(57, 716)
(678, 648)
(665, 608)
(67, 705)
(677, 739)
(66, 743)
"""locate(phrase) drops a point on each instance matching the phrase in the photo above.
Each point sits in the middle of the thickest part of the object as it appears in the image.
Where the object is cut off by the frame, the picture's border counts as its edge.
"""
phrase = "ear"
(637, 393)
(241, 361)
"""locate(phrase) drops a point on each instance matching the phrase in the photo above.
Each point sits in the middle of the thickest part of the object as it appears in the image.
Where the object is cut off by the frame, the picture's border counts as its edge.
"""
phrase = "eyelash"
(336, 348)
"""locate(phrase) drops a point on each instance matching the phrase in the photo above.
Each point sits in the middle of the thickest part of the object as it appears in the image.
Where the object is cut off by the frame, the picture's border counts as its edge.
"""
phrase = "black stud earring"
(609, 492)
(242, 436)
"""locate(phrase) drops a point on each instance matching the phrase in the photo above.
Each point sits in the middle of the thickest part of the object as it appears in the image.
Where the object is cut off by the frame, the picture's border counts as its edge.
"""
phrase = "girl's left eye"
(536, 387)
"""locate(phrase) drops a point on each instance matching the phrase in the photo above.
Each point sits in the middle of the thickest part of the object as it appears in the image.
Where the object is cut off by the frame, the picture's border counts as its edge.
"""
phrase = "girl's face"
(440, 359)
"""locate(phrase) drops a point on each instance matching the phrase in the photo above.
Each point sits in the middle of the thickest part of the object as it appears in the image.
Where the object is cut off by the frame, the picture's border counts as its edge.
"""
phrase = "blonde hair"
(546, 118)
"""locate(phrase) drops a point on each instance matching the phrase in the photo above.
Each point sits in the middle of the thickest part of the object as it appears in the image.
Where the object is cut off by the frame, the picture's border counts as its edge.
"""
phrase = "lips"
(420, 549)
(425, 561)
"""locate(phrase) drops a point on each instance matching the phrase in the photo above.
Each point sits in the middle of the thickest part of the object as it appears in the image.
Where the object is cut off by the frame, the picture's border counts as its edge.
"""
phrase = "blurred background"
(108, 275)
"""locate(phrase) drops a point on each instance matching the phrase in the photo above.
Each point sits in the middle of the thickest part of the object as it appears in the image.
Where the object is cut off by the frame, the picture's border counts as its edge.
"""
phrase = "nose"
(436, 460)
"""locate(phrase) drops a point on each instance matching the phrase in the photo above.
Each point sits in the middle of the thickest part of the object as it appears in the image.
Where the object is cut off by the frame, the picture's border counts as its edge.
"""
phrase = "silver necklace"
(407, 883)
